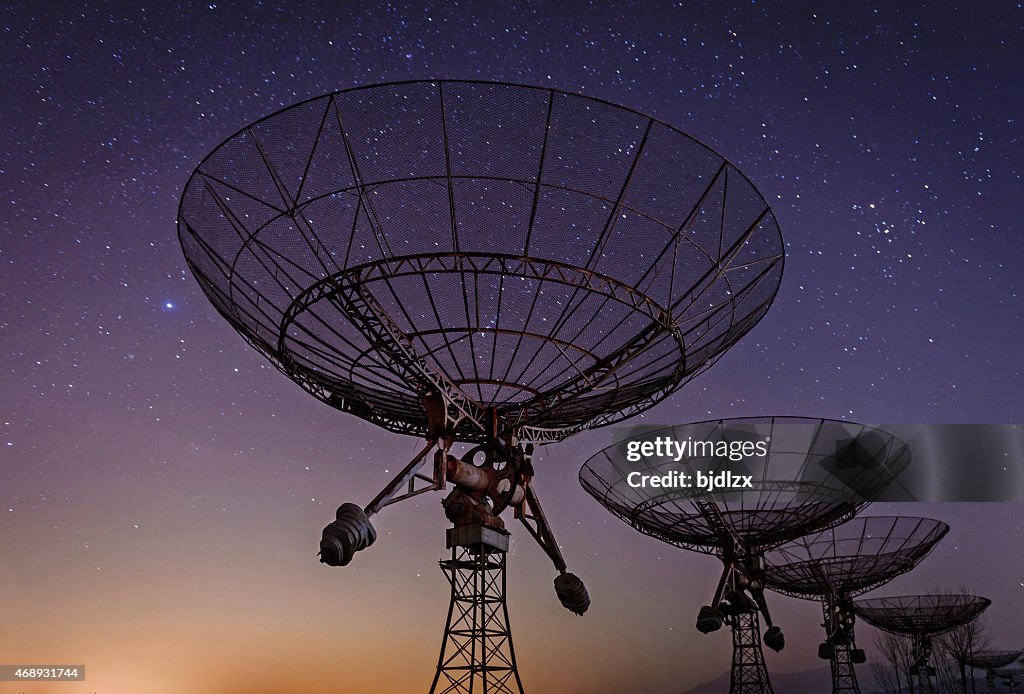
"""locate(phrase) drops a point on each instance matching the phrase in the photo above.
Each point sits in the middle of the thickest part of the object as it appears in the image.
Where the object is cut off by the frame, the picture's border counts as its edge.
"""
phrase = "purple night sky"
(163, 488)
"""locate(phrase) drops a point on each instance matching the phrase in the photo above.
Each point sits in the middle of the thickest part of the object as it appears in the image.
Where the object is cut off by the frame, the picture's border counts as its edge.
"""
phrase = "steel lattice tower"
(477, 654)
(749, 673)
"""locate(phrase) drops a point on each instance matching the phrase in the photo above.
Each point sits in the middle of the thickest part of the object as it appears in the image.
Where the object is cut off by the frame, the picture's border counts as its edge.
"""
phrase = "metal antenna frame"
(840, 563)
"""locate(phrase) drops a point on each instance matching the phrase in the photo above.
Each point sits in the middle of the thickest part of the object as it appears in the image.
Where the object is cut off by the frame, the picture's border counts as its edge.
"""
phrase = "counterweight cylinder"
(572, 593)
(349, 533)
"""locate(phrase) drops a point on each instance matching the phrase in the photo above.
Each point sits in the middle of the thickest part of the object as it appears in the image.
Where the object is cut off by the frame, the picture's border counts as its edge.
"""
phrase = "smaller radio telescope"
(483, 265)
(1011, 677)
(994, 664)
(921, 618)
(812, 474)
(839, 563)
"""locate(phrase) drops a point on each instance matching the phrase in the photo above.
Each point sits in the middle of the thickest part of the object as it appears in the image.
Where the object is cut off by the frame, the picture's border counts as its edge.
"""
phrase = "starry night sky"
(162, 487)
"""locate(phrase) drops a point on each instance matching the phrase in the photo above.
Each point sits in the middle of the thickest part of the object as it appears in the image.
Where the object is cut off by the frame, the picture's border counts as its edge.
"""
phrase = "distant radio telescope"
(813, 474)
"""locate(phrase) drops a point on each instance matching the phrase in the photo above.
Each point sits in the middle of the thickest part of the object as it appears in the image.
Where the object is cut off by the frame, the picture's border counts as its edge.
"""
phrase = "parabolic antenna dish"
(813, 473)
(990, 660)
(920, 615)
(552, 260)
(851, 558)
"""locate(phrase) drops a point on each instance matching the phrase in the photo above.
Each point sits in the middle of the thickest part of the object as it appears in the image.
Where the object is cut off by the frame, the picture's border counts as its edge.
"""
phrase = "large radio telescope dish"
(482, 263)
(562, 260)
(851, 558)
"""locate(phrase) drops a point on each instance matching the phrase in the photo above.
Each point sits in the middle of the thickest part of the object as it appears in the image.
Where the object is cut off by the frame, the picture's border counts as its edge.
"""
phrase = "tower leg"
(477, 656)
(749, 673)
